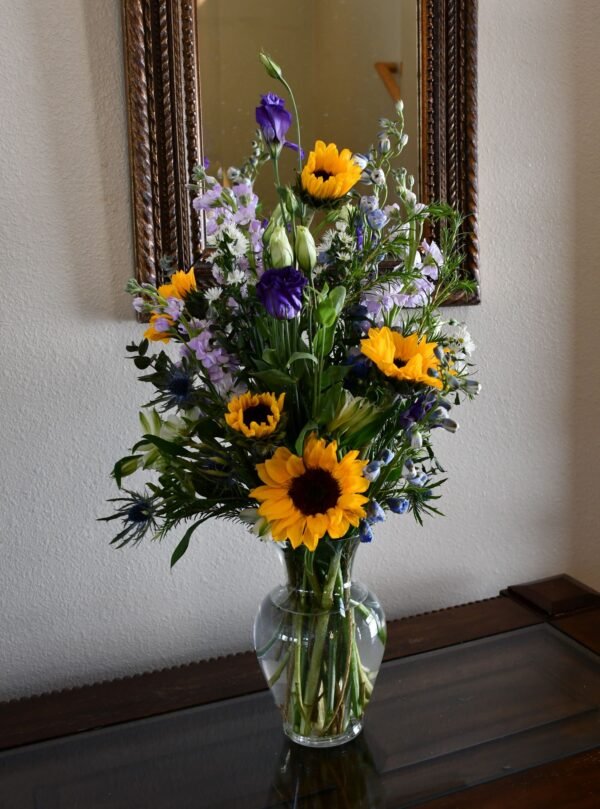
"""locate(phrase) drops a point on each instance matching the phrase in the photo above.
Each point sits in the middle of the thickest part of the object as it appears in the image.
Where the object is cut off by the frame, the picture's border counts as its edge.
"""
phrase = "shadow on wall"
(86, 129)
(584, 375)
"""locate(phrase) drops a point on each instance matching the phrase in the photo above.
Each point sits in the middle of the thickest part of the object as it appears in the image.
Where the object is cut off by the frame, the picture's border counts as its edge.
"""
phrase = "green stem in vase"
(312, 683)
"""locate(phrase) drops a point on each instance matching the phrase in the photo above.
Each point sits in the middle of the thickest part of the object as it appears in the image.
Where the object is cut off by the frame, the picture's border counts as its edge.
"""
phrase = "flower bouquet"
(303, 380)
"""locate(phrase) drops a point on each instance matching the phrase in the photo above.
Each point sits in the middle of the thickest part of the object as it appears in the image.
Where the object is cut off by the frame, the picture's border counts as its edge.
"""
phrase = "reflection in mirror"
(347, 62)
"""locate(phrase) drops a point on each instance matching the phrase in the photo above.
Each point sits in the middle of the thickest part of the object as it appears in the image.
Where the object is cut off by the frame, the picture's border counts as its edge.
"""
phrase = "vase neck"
(328, 566)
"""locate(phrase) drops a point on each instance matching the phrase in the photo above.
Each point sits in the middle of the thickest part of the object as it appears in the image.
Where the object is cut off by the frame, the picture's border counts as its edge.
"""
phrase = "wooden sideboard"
(492, 704)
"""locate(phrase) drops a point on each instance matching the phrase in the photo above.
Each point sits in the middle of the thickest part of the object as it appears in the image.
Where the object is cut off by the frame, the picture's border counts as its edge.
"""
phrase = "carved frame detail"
(448, 37)
(165, 130)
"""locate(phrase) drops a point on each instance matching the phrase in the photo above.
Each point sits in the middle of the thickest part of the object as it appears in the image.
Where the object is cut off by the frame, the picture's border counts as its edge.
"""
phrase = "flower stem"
(312, 683)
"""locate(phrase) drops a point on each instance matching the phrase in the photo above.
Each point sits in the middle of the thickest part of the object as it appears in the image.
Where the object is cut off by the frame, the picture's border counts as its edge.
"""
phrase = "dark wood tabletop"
(490, 704)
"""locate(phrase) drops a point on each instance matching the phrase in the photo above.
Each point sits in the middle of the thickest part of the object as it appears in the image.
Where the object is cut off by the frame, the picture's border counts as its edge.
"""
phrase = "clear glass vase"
(319, 640)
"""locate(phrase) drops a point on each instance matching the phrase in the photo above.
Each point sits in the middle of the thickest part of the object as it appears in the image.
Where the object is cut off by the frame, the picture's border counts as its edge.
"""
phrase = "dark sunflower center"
(258, 413)
(325, 175)
(314, 492)
(399, 363)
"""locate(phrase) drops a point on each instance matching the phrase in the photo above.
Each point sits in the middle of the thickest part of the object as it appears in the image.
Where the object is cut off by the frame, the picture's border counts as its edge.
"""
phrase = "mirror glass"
(348, 62)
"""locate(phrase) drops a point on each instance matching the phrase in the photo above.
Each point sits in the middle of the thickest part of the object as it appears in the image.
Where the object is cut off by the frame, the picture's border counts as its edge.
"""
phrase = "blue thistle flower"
(138, 515)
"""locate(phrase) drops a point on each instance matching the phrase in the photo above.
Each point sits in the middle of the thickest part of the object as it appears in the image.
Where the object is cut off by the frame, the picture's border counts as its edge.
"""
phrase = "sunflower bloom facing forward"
(255, 414)
(305, 498)
(407, 359)
(329, 174)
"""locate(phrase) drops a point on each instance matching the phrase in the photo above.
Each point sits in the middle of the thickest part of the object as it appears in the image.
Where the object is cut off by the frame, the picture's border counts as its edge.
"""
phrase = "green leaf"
(183, 545)
(142, 362)
(276, 379)
(335, 373)
(301, 355)
(143, 347)
(206, 428)
(337, 296)
(326, 315)
(269, 355)
(329, 403)
(166, 447)
(324, 340)
(308, 427)
(330, 309)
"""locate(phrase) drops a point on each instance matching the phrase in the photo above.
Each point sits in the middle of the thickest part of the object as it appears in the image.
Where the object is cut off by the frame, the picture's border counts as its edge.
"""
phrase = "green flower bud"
(275, 220)
(272, 68)
(290, 200)
(306, 251)
(129, 466)
(280, 249)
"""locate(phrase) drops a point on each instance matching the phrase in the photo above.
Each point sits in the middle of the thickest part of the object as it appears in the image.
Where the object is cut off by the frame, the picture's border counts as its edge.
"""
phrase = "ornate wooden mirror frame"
(165, 126)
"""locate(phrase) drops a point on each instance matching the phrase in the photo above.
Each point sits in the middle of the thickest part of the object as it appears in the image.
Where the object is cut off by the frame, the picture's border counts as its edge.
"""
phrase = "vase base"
(325, 741)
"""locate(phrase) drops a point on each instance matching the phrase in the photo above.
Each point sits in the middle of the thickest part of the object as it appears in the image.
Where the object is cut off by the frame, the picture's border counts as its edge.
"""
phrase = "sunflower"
(329, 175)
(406, 359)
(305, 498)
(180, 285)
(152, 333)
(255, 414)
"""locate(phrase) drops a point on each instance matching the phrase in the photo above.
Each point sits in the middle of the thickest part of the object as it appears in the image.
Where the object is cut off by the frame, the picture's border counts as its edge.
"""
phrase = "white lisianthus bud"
(280, 249)
(306, 251)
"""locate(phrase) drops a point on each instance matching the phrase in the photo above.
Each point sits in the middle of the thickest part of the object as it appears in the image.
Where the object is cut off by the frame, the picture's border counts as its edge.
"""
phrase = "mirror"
(347, 60)
(347, 67)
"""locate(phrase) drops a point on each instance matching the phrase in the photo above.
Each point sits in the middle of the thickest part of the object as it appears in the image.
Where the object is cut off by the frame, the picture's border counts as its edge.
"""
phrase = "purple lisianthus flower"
(280, 292)
(273, 119)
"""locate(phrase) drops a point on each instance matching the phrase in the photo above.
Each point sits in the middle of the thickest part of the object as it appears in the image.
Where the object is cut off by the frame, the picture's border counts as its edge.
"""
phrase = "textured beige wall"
(522, 497)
